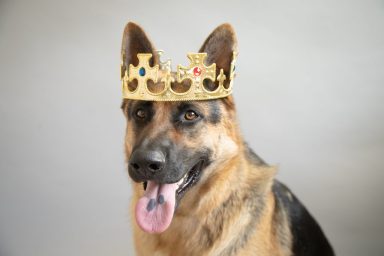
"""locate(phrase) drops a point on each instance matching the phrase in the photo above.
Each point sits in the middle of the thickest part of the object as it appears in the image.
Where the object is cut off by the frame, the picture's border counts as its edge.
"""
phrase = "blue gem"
(142, 71)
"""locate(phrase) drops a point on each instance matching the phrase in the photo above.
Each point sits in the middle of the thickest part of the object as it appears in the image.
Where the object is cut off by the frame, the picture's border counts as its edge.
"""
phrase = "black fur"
(215, 112)
(308, 238)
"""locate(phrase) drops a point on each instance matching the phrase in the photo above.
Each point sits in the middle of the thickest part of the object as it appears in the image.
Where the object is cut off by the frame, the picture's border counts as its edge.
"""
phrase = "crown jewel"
(196, 72)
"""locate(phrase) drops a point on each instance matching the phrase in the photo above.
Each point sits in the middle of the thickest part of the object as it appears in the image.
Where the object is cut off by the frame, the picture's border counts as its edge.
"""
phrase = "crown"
(161, 75)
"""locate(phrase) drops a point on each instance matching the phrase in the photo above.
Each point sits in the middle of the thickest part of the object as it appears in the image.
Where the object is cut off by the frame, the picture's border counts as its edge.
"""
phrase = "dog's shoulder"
(307, 236)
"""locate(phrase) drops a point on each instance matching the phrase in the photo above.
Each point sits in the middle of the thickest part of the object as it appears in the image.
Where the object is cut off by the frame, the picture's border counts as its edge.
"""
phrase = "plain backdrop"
(309, 91)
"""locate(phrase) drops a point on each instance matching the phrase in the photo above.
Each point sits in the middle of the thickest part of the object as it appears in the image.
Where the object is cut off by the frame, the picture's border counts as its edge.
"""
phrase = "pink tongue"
(154, 211)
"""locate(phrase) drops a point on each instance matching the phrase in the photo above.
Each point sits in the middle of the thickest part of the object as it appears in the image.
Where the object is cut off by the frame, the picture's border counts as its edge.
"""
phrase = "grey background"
(309, 94)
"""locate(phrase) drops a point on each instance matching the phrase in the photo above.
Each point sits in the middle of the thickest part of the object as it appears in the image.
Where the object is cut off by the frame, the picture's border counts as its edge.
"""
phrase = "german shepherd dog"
(198, 189)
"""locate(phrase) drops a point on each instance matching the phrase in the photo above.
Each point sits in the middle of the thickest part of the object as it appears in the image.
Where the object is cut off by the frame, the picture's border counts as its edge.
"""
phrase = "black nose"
(148, 162)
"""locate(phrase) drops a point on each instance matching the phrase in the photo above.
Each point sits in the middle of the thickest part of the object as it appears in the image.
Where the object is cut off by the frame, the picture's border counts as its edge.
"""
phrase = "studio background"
(309, 93)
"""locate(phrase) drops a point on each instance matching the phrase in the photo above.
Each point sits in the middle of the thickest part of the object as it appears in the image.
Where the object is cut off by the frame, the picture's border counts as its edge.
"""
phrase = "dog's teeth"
(182, 180)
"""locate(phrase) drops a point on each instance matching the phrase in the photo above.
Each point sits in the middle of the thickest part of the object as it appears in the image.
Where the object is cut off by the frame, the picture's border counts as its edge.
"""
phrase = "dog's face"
(168, 142)
(170, 145)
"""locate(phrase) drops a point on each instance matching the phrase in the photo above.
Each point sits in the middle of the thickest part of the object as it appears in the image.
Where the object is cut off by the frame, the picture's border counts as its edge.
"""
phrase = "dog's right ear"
(136, 41)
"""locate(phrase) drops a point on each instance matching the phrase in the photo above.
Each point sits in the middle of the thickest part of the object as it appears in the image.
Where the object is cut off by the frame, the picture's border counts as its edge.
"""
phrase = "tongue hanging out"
(154, 211)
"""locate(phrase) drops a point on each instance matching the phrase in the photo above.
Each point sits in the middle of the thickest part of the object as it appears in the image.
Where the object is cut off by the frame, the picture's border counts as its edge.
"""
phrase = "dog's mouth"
(187, 181)
(155, 209)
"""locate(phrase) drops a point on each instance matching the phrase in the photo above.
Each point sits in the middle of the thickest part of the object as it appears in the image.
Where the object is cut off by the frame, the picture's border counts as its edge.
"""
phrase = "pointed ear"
(136, 41)
(219, 46)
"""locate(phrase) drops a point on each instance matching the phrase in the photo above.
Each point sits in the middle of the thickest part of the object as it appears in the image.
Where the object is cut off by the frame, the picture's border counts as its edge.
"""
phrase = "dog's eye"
(140, 114)
(190, 115)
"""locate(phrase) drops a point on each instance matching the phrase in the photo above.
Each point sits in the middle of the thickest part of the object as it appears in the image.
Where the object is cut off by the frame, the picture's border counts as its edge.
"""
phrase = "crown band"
(196, 73)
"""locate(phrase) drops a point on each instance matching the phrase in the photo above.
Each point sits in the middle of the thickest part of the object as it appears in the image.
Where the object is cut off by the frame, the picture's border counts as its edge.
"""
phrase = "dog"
(198, 189)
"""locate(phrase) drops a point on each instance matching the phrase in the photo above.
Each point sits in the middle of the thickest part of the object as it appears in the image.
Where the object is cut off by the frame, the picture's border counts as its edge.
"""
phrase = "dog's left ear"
(219, 46)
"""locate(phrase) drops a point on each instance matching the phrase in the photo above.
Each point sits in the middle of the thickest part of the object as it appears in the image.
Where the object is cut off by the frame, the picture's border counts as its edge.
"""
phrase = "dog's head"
(174, 147)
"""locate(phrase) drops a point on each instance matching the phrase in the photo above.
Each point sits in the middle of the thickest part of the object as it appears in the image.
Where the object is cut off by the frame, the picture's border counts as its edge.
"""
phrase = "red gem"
(197, 71)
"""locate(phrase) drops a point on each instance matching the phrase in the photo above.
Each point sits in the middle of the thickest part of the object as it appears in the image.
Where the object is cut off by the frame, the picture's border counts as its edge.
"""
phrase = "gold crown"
(196, 72)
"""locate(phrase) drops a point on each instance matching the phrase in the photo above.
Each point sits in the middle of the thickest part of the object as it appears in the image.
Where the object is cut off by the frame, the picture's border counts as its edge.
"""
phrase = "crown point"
(142, 71)
(197, 71)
